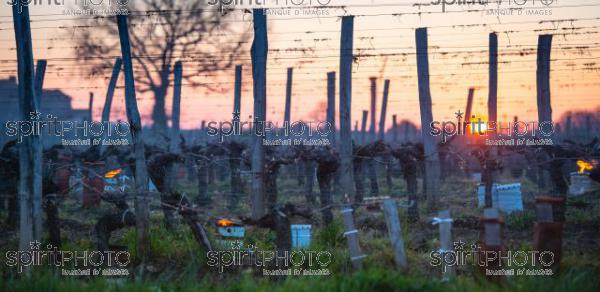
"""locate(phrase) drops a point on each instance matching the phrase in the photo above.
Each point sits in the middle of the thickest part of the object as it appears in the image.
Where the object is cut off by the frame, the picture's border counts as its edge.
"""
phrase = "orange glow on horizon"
(474, 128)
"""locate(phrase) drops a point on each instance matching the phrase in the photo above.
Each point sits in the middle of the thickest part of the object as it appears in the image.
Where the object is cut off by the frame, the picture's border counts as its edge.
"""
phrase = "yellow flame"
(225, 222)
(584, 166)
(112, 173)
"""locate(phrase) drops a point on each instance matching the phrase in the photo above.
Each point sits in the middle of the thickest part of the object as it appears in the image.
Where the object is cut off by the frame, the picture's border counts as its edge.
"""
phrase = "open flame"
(584, 166)
(225, 222)
(112, 173)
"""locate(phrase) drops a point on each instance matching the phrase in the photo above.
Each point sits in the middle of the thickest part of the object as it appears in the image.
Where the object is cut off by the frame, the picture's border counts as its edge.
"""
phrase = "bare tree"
(163, 32)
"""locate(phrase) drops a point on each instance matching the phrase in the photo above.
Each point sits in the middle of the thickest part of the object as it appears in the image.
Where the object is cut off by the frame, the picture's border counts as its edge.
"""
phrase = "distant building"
(53, 102)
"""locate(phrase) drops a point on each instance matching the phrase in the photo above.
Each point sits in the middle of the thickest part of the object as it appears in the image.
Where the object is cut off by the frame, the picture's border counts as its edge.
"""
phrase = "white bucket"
(506, 197)
(580, 184)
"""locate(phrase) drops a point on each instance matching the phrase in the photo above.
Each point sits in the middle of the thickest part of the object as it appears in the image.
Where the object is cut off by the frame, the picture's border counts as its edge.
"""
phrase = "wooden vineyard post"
(372, 126)
(488, 171)
(112, 84)
(468, 109)
(392, 220)
(547, 234)
(171, 176)
(237, 93)
(332, 136)
(543, 79)
(288, 97)
(544, 49)
(545, 109)
(142, 214)
(432, 161)
(237, 98)
(345, 145)
(493, 78)
(382, 117)
(236, 149)
(259, 75)
(363, 128)
(351, 234)
(40, 73)
(302, 166)
(386, 91)
(331, 107)
(30, 148)
(394, 128)
(491, 243)
(176, 114)
(91, 108)
(444, 222)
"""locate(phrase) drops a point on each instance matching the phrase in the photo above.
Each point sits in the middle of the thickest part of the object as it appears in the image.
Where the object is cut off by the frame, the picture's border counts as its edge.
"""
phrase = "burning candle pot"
(580, 180)
(231, 233)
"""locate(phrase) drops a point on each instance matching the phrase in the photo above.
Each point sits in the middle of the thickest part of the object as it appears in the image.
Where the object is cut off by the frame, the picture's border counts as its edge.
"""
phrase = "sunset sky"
(458, 40)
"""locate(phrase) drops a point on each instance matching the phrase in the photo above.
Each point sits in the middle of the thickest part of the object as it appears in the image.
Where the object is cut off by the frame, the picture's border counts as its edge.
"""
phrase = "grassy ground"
(179, 263)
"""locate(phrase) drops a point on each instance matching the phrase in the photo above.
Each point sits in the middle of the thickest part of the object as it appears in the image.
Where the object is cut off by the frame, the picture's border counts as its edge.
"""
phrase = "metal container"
(580, 184)
(232, 231)
(231, 234)
(119, 181)
(301, 235)
(506, 197)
